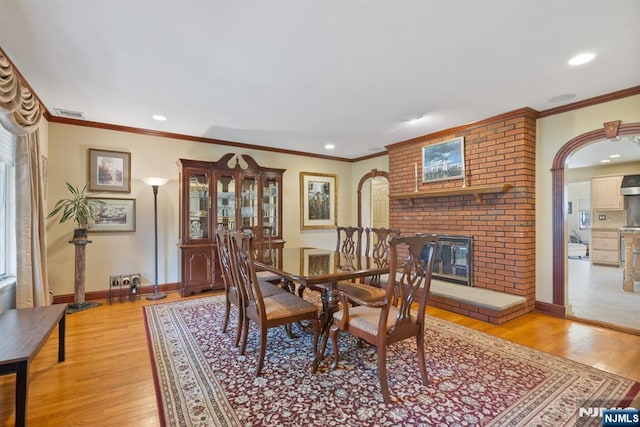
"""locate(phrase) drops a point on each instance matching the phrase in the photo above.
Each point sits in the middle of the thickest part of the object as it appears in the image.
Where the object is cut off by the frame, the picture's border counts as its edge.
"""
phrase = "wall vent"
(68, 113)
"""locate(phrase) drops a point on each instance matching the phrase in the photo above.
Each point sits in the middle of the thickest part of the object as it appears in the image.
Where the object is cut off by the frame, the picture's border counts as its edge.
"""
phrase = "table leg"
(329, 306)
(21, 393)
(61, 336)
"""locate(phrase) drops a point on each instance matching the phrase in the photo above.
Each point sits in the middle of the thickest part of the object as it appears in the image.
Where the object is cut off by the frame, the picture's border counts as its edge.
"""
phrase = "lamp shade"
(155, 181)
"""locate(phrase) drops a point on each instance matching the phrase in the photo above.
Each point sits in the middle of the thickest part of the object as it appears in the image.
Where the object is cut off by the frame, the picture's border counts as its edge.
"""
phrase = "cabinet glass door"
(270, 194)
(249, 202)
(226, 203)
(199, 206)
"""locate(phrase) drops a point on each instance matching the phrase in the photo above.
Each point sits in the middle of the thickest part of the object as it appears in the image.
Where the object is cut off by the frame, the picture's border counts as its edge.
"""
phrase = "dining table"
(320, 270)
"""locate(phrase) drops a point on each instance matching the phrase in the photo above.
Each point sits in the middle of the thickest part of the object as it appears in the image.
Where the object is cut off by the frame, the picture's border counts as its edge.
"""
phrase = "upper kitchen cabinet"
(233, 192)
(605, 193)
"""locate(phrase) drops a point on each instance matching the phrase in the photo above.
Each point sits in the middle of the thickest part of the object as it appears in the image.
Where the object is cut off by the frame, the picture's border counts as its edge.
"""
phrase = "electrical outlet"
(125, 280)
(114, 281)
(136, 279)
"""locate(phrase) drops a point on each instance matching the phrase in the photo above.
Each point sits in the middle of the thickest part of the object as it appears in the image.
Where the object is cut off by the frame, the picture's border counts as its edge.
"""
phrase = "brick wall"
(500, 150)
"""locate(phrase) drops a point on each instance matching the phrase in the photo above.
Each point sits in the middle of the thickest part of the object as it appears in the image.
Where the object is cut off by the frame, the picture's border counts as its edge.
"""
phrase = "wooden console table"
(24, 331)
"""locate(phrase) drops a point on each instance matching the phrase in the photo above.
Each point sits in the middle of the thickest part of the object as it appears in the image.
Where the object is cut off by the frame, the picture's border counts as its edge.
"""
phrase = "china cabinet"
(233, 192)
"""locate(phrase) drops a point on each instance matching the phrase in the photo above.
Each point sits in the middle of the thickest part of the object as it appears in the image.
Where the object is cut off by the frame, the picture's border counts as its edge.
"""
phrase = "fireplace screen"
(453, 259)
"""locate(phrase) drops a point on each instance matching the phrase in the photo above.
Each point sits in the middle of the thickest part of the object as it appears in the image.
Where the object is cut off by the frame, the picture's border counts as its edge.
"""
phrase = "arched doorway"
(558, 197)
(371, 175)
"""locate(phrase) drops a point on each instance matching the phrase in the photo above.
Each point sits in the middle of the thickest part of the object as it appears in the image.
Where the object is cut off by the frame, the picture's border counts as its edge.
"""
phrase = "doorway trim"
(373, 174)
(558, 197)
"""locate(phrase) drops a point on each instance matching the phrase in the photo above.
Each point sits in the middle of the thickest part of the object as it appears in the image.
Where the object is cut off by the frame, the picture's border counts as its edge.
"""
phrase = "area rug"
(475, 378)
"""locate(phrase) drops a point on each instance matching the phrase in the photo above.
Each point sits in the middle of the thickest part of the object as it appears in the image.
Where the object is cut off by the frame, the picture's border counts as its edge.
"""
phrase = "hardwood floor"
(106, 378)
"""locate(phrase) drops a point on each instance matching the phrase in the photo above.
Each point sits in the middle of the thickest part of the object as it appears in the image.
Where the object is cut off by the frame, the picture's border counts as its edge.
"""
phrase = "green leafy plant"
(78, 207)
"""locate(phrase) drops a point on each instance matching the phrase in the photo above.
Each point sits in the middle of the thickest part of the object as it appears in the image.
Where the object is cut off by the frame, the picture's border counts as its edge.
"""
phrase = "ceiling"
(296, 75)
(608, 152)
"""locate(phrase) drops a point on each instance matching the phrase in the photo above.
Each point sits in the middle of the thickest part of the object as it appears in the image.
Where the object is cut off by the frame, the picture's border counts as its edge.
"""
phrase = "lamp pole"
(155, 183)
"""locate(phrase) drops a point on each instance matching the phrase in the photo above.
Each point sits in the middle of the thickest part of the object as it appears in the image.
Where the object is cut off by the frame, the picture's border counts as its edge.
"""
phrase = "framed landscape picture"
(443, 161)
(115, 215)
(109, 171)
(318, 200)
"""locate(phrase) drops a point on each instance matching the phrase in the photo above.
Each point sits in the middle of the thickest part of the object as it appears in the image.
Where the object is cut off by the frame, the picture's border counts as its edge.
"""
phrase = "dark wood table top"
(24, 331)
(311, 266)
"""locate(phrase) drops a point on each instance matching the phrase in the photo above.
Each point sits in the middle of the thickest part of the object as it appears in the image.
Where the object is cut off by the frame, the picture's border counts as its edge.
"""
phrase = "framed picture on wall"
(318, 200)
(109, 171)
(115, 215)
(443, 161)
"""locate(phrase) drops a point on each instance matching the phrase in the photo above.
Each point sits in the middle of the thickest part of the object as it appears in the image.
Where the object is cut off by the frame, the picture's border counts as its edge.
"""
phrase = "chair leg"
(335, 330)
(382, 372)
(241, 321)
(421, 360)
(227, 309)
(245, 332)
(263, 348)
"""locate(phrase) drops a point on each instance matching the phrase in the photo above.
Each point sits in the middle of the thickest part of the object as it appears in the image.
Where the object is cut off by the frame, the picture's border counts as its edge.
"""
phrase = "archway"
(558, 197)
(373, 174)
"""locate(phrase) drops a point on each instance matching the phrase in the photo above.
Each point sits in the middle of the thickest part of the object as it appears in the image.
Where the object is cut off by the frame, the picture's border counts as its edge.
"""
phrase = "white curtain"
(20, 113)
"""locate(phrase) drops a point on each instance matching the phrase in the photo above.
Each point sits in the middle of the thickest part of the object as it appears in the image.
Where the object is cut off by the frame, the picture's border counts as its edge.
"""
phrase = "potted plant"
(78, 207)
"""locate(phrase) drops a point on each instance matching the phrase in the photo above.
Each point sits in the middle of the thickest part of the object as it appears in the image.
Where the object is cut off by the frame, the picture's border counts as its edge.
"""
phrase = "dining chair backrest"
(411, 258)
(349, 240)
(262, 244)
(233, 294)
(377, 242)
(244, 273)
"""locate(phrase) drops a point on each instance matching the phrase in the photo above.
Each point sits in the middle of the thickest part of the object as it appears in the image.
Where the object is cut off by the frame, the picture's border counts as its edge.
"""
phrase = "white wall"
(552, 133)
(115, 253)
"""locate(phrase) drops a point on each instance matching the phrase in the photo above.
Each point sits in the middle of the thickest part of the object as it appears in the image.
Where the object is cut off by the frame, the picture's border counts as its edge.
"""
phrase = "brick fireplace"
(499, 155)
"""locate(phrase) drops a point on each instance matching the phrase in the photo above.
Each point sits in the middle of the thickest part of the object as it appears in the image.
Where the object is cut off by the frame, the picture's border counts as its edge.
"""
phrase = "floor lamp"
(155, 183)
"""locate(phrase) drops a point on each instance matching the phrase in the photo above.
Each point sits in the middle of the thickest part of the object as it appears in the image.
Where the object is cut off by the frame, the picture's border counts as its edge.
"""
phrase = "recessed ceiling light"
(614, 156)
(159, 118)
(605, 161)
(582, 58)
(329, 146)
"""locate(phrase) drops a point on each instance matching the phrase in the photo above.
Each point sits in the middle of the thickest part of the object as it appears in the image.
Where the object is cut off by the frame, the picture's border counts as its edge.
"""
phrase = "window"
(7, 204)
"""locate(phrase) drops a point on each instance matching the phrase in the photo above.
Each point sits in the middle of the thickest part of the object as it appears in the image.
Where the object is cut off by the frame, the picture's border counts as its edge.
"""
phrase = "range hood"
(630, 185)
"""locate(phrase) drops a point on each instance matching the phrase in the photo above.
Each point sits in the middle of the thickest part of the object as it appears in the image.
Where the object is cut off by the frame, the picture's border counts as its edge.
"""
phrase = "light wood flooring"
(595, 294)
(106, 379)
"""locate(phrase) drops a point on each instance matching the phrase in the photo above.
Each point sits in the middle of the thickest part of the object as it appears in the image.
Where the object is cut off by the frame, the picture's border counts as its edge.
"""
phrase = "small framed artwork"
(109, 171)
(318, 200)
(443, 161)
(115, 215)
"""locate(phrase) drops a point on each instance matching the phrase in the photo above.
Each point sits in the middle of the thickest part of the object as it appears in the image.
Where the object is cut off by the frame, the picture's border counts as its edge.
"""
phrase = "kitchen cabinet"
(605, 193)
(232, 193)
(605, 247)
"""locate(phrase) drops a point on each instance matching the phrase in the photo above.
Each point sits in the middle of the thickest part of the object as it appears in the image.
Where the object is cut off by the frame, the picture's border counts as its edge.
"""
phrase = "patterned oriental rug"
(475, 378)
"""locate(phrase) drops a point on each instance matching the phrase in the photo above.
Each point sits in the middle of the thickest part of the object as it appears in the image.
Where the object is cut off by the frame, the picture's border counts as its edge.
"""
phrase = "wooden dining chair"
(377, 247)
(232, 293)
(385, 322)
(263, 248)
(267, 312)
(349, 245)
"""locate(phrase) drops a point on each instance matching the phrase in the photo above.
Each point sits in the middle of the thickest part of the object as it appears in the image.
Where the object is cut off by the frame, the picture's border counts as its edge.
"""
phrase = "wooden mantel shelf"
(477, 190)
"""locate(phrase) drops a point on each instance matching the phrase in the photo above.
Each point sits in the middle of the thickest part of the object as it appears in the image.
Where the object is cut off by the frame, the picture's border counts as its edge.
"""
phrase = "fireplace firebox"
(452, 262)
